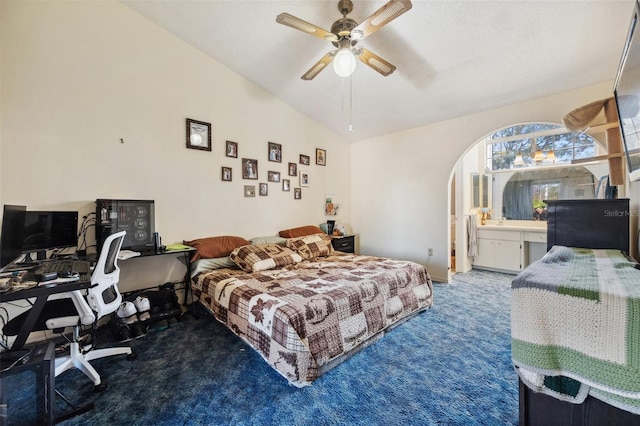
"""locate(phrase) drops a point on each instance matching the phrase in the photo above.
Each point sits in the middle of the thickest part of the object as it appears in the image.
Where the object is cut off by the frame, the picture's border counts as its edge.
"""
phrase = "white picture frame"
(304, 178)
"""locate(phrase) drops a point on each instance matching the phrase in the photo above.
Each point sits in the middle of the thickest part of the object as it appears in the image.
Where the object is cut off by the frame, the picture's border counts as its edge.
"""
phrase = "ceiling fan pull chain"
(350, 104)
(342, 91)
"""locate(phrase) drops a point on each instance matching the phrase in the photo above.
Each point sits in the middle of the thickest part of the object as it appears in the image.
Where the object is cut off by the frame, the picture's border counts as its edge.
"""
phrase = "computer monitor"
(47, 230)
(13, 218)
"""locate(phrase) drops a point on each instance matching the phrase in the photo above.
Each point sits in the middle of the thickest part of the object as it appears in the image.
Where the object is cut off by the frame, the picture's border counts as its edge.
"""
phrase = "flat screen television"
(627, 94)
(45, 230)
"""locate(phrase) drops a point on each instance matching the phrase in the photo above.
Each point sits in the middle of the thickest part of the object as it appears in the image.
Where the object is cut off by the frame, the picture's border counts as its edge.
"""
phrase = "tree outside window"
(524, 140)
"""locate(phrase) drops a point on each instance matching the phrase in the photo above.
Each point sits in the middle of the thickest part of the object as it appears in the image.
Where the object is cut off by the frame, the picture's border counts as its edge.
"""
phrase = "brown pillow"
(301, 231)
(212, 247)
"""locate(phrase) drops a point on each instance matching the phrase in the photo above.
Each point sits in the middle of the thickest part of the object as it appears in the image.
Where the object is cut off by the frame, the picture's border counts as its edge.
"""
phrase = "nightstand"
(345, 243)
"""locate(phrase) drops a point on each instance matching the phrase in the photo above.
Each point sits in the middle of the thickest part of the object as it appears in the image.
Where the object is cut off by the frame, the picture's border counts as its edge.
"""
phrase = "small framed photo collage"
(198, 137)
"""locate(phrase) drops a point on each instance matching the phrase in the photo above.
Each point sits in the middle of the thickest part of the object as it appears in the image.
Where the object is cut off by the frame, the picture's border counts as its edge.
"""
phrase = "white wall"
(409, 209)
(77, 77)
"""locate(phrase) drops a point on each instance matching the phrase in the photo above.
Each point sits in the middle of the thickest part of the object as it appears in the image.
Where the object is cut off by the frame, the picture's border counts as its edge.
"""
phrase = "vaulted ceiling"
(453, 57)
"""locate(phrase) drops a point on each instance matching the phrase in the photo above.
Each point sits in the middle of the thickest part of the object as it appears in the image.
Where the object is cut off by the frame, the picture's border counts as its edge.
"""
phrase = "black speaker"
(330, 225)
(134, 216)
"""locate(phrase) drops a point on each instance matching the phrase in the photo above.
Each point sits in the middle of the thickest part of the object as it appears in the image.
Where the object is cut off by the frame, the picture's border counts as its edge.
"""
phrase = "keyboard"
(80, 266)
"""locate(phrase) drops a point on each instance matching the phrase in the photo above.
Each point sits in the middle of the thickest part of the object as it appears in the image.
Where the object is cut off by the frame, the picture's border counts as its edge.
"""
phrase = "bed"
(306, 307)
(576, 337)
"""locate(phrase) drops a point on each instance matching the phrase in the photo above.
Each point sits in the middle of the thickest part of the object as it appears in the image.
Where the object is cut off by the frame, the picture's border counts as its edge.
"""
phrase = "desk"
(186, 254)
(41, 294)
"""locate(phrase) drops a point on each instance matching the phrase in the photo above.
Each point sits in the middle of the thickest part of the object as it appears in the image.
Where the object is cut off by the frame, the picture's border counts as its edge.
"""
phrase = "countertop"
(515, 225)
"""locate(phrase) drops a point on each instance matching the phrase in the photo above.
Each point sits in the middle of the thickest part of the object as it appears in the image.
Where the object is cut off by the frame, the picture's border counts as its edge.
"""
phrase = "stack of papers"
(176, 247)
(127, 254)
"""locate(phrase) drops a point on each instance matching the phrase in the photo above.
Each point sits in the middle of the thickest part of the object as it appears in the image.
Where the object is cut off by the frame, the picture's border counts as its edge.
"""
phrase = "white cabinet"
(536, 236)
(500, 250)
(535, 244)
(509, 248)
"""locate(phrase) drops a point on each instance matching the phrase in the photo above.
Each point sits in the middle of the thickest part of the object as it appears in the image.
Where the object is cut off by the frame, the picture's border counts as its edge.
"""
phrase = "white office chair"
(103, 298)
(88, 306)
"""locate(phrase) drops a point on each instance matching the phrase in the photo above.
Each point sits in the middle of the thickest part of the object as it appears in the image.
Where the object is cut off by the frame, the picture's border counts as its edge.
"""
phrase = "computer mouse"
(68, 274)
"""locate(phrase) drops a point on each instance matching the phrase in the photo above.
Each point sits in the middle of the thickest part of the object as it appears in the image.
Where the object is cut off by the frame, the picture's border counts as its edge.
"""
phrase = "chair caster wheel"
(132, 356)
(99, 388)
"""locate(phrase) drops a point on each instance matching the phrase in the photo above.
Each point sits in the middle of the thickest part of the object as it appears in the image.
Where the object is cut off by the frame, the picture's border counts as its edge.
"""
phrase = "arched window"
(534, 145)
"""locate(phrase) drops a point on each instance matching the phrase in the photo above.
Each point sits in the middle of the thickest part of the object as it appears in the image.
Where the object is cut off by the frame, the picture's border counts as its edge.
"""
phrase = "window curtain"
(517, 200)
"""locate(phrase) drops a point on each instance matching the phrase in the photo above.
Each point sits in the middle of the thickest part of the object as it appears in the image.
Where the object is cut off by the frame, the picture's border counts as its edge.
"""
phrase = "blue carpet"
(450, 365)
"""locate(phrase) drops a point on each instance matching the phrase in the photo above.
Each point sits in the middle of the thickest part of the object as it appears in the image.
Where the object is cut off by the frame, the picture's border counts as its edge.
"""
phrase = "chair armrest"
(61, 322)
(87, 316)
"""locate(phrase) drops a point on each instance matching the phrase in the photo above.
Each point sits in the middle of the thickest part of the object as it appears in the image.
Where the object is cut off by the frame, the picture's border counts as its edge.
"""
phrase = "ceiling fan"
(345, 34)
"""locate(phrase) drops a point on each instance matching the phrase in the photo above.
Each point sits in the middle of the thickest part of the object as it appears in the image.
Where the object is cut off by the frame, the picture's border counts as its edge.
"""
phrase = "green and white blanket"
(575, 326)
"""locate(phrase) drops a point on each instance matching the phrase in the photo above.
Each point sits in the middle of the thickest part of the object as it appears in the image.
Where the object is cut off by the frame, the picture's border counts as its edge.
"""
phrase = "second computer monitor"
(46, 230)
(13, 218)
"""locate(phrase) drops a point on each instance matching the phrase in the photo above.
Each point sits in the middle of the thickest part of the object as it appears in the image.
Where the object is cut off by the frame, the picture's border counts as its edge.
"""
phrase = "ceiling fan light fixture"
(345, 33)
(344, 63)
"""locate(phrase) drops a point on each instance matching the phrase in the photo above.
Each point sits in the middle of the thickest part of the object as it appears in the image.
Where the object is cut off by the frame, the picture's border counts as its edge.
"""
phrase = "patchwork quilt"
(575, 326)
(306, 317)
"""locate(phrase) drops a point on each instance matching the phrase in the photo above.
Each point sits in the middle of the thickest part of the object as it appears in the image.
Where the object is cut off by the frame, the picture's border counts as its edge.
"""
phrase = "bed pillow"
(254, 258)
(204, 265)
(300, 231)
(311, 246)
(268, 240)
(213, 247)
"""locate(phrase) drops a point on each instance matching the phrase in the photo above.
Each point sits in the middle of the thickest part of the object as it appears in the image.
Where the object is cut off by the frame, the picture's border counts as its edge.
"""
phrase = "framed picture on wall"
(264, 189)
(273, 176)
(321, 157)
(275, 152)
(330, 206)
(249, 168)
(232, 149)
(297, 193)
(304, 178)
(293, 169)
(249, 190)
(226, 174)
(304, 159)
(286, 184)
(198, 135)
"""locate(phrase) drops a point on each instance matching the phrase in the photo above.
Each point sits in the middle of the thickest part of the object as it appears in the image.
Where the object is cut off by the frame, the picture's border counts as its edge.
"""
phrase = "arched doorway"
(545, 150)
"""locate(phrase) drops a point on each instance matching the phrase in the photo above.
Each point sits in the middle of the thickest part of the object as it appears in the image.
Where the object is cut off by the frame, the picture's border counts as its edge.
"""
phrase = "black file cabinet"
(344, 244)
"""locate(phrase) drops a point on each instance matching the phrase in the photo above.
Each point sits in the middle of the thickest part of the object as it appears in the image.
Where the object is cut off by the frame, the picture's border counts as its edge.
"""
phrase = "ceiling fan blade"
(376, 62)
(304, 26)
(319, 66)
(380, 18)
